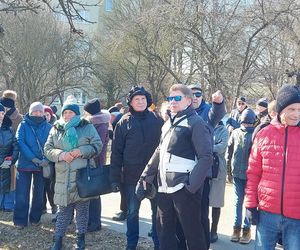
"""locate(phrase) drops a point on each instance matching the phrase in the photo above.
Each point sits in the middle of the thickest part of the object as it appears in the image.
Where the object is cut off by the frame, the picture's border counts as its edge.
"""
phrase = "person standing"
(9, 151)
(217, 185)
(239, 146)
(181, 163)
(100, 119)
(136, 137)
(272, 190)
(71, 143)
(32, 134)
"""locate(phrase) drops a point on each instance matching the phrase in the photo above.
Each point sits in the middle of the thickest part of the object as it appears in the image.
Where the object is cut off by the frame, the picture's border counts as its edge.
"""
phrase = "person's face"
(139, 103)
(68, 115)
(260, 109)
(48, 116)
(178, 101)
(2, 113)
(197, 98)
(37, 113)
(290, 115)
(240, 105)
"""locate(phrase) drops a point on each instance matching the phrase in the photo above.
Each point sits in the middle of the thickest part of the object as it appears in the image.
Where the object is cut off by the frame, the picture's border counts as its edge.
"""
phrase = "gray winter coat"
(89, 144)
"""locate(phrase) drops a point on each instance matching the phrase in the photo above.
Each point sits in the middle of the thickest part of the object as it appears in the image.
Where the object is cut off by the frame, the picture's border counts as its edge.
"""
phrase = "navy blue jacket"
(28, 145)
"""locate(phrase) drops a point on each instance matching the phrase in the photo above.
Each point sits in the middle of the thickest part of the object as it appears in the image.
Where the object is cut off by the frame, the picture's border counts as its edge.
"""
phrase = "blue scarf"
(70, 137)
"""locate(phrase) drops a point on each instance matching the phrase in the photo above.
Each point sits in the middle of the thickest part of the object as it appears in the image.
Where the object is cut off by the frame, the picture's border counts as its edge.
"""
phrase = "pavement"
(111, 203)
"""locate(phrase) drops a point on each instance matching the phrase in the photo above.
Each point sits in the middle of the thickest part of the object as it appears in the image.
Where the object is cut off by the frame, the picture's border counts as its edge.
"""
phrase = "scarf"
(70, 137)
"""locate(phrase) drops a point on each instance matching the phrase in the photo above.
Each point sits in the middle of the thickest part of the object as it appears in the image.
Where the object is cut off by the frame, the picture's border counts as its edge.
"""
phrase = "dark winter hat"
(71, 106)
(241, 99)
(262, 102)
(248, 116)
(36, 106)
(54, 109)
(8, 98)
(138, 91)
(196, 86)
(288, 94)
(93, 106)
(2, 108)
(113, 109)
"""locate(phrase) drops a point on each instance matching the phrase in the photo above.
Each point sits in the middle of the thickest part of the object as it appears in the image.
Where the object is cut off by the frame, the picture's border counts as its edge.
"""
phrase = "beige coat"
(88, 142)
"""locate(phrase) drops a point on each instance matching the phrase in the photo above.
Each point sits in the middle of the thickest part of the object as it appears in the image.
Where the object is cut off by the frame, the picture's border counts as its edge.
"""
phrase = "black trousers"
(186, 208)
(48, 192)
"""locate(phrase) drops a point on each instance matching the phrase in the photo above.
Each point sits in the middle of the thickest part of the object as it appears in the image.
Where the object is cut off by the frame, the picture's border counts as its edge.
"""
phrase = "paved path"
(110, 205)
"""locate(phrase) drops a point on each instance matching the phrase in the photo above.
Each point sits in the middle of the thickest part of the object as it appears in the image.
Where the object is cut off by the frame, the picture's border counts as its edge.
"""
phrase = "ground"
(40, 237)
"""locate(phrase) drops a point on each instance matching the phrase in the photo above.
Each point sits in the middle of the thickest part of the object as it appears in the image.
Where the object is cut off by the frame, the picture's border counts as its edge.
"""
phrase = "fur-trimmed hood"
(99, 118)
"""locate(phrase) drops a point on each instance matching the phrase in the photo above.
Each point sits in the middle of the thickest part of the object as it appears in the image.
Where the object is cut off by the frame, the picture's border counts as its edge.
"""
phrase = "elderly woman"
(71, 142)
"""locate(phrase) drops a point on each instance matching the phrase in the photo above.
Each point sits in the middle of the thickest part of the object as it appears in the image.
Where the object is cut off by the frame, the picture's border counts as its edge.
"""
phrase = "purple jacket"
(101, 122)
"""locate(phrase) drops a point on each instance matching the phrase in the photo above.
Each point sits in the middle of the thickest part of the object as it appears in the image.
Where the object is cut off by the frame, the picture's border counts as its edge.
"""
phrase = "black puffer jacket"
(8, 147)
(136, 137)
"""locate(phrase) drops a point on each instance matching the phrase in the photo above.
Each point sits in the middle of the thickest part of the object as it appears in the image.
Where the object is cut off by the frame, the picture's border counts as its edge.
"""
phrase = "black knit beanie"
(248, 116)
(93, 106)
(288, 94)
(7, 102)
(136, 90)
(262, 102)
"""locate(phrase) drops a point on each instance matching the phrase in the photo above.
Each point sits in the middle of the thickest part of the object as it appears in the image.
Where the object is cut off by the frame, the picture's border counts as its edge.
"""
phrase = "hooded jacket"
(27, 135)
(274, 171)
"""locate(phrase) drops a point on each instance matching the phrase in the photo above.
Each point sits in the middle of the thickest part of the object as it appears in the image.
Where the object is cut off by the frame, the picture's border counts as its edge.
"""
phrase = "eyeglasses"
(197, 94)
(241, 103)
(177, 98)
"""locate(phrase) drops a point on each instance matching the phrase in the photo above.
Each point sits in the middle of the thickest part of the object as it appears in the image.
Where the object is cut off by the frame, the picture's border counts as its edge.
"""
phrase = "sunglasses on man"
(177, 98)
(197, 94)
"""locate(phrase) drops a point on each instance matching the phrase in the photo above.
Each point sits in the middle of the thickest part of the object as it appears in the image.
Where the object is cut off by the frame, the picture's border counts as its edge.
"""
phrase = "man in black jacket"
(181, 163)
(135, 139)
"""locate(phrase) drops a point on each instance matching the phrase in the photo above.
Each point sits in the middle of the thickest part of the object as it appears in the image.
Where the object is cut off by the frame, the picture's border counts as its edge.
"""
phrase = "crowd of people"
(180, 158)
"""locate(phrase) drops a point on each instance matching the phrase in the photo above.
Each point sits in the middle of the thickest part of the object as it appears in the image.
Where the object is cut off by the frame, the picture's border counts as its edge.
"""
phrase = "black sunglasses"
(197, 94)
(177, 98)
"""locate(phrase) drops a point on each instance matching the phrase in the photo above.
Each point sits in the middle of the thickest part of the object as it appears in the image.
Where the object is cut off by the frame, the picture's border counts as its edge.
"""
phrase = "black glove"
(142, 193)
(36, 161)
(115, 187)
(44, 163)
(253, 215)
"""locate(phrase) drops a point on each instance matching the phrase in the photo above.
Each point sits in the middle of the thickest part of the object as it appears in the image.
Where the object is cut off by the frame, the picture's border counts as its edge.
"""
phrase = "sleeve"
(94, 145)
(221, 146)
(50, 151)
(15, 149)
(24, 149)
(254, 174)
(202, 141)
(216, 113)
(230, 147)
(118, 144)
(151, 169)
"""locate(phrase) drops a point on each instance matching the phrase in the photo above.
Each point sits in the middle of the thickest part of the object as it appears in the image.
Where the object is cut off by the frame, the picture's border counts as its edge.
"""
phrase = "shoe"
(54, 209)
(80, 242)
(213, 237)
(246, 236)
(57, 243)
(121, 216)
(35, 224)
(94, 228)
(235, 237)
(19, 227)
(150, 233)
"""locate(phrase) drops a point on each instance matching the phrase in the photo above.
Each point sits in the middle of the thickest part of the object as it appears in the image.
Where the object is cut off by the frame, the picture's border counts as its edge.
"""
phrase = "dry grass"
(40, 237)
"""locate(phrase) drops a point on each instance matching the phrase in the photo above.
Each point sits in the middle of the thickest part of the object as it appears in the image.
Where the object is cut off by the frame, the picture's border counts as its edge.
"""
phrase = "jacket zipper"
(284, 166)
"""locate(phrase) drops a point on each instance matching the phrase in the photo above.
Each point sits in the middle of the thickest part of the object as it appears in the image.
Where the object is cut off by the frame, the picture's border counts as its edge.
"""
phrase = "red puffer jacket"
(274, 171)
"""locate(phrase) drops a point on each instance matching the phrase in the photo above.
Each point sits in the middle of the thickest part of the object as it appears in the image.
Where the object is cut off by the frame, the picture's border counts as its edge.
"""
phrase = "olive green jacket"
(89, 144)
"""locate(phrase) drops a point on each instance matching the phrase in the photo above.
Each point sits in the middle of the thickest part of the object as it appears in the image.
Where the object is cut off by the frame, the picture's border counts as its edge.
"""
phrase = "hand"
(68, 157)
(140, 190)
(253, 215)
(44, 163)
(115, 187)
(217, 97)
(76, 153)
(36, 161)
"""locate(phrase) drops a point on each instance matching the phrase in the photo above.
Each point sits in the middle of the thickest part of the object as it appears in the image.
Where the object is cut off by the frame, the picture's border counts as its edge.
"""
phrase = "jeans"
(239, 191)
(154, 218)
(271, 226)
(7, 200)
(23, 186)
(95, 213)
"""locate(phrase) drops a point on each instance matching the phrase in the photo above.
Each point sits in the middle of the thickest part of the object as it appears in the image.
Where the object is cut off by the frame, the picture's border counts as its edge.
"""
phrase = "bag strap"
(37, 141)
